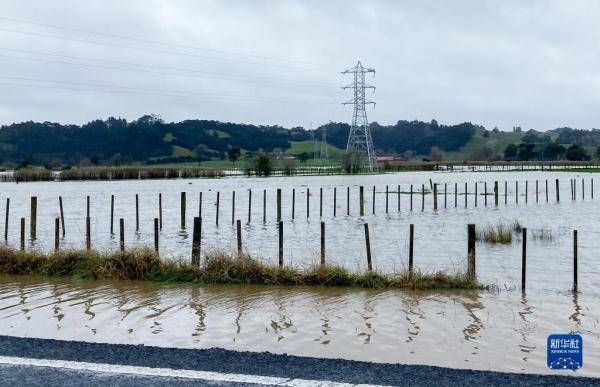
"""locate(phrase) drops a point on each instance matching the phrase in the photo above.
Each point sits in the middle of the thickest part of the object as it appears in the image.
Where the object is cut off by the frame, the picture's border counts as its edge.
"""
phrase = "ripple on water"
(502, 330)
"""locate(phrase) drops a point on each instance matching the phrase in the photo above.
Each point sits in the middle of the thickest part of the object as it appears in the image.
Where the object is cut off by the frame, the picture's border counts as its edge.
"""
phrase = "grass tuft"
(497, 233)
(517, 227)
(217, 268)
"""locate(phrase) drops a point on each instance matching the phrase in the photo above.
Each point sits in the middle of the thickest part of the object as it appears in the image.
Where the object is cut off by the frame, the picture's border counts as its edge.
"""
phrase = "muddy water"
(440, 236)
(500, 330)
(482, 330)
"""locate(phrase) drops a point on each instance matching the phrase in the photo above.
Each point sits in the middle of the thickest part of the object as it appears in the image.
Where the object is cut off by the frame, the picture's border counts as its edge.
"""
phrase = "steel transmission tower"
(360, 138)
(323, 153)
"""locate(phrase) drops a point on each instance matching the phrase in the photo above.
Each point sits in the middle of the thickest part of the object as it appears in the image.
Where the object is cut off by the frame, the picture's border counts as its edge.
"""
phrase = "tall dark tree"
(576, 153)
(233, 154)
(510, 152)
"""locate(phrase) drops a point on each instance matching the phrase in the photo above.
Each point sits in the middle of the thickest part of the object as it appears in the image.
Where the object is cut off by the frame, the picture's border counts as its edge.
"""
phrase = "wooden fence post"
(526, 190)
(362, 200)
(280, 228)
(293, 203)
(348, 201)
(334, 201)
(87, 206)
(22, 233)
(278, 204)
(505, 192)
(160, 222)
(156, 226)
(476, 194)
(239, 237)
(217, 209)
(322, 243)
(536, 191)
(557, 191)
(112, 214)
(307, 202)
(373, 200)
(320, 202)
(546, 190)
(411, 246)
(411, 197)
(575, 261)
(466, 194)
(435, 204)
(137, 215)
(422, 197)
(88, 234)
(232, 207)
(455, 195)
(387, 192)
(183, 204)
(122, 234)
(56, 234)
(264, 206)
(496, 193)
(524, 259)
(196, 241)
(516, 192)
(471, 251)
(62, 214)
(6, 219)
(399, 197)
(368, 246)
(485, 193)
(249, 205)
(33, 221)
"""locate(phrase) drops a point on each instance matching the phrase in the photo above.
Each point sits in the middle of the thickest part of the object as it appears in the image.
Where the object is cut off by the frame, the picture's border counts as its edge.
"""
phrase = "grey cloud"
(532, 64)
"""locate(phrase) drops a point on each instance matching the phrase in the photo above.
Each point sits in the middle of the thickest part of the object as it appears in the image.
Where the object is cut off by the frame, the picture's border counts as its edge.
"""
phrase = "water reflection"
(526, 327)
(472, 304)
(441, 328)
(576, 315)
(198, 307)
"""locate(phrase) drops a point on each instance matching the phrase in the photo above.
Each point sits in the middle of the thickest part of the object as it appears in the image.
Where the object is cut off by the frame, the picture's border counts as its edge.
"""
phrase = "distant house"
(383, 159)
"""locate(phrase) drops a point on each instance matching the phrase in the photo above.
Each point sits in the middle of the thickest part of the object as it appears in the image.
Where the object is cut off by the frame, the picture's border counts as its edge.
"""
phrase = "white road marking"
(168, 372)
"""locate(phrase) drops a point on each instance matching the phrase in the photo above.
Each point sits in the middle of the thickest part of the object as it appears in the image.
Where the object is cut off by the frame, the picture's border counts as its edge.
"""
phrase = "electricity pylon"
(323, 154)
(359, 138)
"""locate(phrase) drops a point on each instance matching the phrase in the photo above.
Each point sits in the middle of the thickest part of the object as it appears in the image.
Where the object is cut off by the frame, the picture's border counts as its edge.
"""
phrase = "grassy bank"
(217, 268)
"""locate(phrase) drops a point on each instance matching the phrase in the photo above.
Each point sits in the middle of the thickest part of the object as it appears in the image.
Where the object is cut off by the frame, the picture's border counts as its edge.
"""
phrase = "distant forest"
(149, 140)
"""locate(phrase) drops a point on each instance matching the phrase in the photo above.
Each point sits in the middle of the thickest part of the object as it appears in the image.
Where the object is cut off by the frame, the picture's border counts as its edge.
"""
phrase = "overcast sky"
(535, 64)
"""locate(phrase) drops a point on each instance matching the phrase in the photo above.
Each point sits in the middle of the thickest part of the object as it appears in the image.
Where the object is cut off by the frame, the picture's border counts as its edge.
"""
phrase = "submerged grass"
(497, 233)
(542, 234)
(217, 268)
(500, 232)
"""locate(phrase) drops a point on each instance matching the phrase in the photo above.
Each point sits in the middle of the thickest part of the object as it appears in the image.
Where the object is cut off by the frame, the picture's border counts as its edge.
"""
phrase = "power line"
(157, 50)
(191, 72)
(113, 89)
(142, 40)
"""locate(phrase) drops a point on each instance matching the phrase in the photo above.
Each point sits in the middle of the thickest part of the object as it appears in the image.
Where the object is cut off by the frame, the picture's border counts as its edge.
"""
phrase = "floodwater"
(503, 331)
(440, 236)
(499, 330)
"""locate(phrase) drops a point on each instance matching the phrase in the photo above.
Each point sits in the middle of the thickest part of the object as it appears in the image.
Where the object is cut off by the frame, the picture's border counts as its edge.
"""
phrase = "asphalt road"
(117, 362)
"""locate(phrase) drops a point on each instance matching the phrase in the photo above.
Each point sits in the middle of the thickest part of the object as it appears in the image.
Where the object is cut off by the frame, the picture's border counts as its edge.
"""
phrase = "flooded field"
(440, 236)
(503, 330)
(500, 329)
